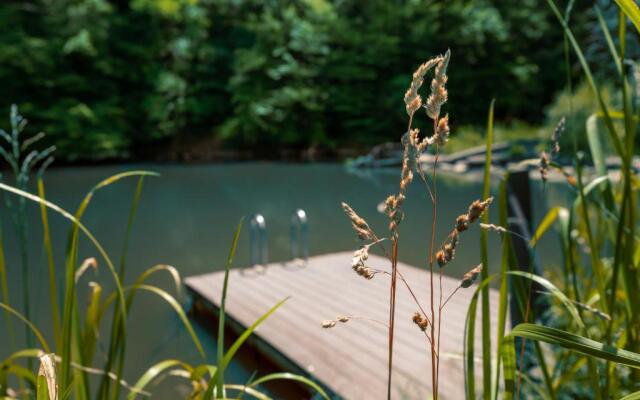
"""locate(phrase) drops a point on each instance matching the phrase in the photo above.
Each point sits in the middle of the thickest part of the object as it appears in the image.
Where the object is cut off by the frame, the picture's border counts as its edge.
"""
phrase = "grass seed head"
(442, 131)
(359, 224)
(412, 99)
(477, 208)
(329, 323)
(421, 321)
(471, 276)
(439, 93)
(462, 223)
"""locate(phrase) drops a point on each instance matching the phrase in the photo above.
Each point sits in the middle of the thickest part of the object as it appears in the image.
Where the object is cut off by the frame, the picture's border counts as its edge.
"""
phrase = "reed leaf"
(504, 287)
(630, 9)
(127, 235)
(42, 391)
(555, 292)
(290, 377)
(632, 396)
(219, 382)
(469, 343)
(615, 139)
(580, 344)
(544, 225)
(484, 256)
(228, 356)
(153, 373)
(20, 372)
(179, 310)
(53, 289)
(30, 326)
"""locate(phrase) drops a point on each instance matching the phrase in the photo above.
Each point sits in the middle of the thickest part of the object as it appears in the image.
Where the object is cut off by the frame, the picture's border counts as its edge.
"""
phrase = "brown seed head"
(359, 225)
(411, 97)
(462, 223)
(421, 321)
(477, 208)
(329, 323)
(442, 130)
(471, 276)
(438, 90)
(441, 258)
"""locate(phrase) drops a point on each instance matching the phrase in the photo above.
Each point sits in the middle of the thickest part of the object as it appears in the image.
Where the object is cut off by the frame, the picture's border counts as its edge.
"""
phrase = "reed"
(428, 318)
(592, 324)
(68, 366)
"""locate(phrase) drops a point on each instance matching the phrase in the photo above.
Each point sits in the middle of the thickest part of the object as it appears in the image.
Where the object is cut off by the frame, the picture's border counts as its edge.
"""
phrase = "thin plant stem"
(434, 371)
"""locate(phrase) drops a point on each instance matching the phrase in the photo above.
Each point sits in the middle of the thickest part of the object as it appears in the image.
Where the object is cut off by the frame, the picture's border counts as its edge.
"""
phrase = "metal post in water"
(258, 241)
(299, 236)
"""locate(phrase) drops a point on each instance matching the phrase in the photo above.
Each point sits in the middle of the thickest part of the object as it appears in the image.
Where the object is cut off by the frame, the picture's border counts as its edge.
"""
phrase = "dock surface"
(351, 358)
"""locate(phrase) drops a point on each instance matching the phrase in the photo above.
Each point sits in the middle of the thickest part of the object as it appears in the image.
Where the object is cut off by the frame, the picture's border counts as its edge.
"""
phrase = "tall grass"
(593, 325)
(67, 365)
(441, 251)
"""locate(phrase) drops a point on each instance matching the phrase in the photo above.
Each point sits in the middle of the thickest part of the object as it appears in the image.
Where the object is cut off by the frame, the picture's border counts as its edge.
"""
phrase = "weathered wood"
(349, 359)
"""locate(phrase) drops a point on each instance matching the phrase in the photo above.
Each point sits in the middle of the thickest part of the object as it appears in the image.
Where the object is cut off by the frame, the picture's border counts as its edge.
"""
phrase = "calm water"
(187, 217)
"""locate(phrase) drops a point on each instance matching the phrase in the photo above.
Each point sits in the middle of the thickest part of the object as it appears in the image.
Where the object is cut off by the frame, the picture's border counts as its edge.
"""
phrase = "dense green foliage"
(109, 78)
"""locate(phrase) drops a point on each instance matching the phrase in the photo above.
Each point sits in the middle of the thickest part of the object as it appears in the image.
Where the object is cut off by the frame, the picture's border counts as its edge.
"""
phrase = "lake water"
(187, 217)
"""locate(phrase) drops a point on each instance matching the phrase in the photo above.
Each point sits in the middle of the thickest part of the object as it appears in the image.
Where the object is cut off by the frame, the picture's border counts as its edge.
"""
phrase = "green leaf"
(236, 346)
(632, 396)
(484, 256)
(554, 292)
(179, 310)
(53, 290)
(469, 343)
(630, 8)
(508, 354)
(577, 343)
(545, 224)
(153, 373)
(291, 377)
(31, 326)
(221, 319)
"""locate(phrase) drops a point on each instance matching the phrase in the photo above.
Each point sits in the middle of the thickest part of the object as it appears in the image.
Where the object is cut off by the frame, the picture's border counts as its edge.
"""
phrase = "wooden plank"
(350, 359)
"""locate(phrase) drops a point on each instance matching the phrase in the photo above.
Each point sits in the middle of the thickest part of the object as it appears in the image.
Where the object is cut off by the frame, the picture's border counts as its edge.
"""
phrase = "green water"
(186, 219)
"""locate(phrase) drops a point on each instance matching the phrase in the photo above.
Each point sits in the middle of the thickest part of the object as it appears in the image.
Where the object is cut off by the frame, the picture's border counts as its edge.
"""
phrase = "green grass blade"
(31, 326)
(291, 377)
(615, 139)
(595, 145)
(504, 287)
(555, 292)
(4, 287)
(220, 354)
(20, 372)
(154, 372)
(72, 249)
(577, 343)
(132, 215)
(508, 356)
(53, 290)
(469, 343)
(236, 346)
(42, 392)
(545, 224)
(180, 311)
(91, 323)
(632, 396)
(484, 255)
(630, 8)
(609, 40)
(244, 389)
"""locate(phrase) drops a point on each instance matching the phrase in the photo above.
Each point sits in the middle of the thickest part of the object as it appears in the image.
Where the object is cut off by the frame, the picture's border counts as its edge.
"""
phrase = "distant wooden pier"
(350, 360)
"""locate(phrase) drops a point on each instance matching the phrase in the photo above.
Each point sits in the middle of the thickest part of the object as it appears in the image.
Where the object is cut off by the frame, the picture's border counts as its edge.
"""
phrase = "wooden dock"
(349, 359)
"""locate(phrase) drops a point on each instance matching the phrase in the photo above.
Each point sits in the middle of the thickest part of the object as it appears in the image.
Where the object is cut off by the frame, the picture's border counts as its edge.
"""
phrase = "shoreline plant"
(427, 317)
